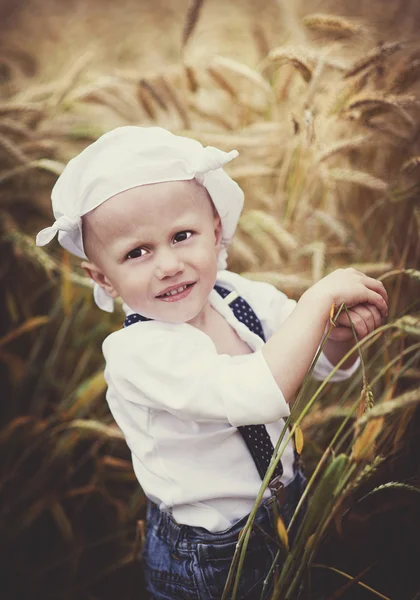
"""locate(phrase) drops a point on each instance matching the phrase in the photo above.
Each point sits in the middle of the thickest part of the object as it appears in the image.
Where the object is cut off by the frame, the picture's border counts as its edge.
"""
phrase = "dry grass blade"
(16, 128)
(283, 56)
(409, 324)
(191, 20)
(344, 146)
(221, 81)
(62, 521)
(262, 242)
(372, 269)
(405, 78)
(173, 95)
(385, 408)
(90, 426)
(359, 178)
(374, 104)
(63, 87)
(392, 485)
(411, 165)
(13, 150)
(334, 24)
(191, 78)
(230, 67)
(146, 85)
(24, 245)
(374, 56)
(272, 227)
(29, 325)
(240, 252)
(332, 224)
(290, 284)
(87, 393)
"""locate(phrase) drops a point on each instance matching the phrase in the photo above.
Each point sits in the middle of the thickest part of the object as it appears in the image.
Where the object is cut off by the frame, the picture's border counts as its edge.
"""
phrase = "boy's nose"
(168, 265)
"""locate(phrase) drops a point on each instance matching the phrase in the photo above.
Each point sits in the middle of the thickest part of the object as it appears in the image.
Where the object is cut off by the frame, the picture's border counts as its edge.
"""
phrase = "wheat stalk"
(295, 285)
(376, 103)
(173, 95)
(191, 20)
(191, 77)
(344, 146)
(14, 151)
(332, 223)
(230, 67)
(359, 178)
(282, 56)
(270, 225)
(241, 252)
(373, 57)
(404, 78)
(332, 24)
(260, 238)
(410, 165)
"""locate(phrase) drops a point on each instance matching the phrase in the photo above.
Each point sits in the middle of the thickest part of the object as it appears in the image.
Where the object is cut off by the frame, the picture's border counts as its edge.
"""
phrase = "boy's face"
(151, 239)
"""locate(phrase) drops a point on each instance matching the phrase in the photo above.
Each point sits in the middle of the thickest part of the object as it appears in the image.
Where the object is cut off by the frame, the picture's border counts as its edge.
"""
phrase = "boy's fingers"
(378, 300)
(377, 286)
(376, 315)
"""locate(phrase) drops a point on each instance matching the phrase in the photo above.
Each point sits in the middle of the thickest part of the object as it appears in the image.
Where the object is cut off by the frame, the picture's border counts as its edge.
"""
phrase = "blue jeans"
(190, 563)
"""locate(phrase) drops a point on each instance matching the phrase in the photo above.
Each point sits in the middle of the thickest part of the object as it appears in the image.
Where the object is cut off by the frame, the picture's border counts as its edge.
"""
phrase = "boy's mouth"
(176, 292)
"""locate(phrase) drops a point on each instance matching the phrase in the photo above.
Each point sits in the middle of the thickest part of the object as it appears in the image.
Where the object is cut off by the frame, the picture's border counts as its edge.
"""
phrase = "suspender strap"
(255, 437)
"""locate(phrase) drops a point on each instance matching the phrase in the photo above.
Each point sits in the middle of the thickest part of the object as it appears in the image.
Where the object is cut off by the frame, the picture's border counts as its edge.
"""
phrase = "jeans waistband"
(173, 532)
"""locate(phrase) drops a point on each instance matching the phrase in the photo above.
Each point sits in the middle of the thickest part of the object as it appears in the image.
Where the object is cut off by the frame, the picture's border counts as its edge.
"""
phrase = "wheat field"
(321, 99)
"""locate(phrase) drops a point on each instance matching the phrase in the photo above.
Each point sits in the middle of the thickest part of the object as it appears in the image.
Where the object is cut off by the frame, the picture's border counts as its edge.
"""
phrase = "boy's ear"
(99, 277)
(217, 231)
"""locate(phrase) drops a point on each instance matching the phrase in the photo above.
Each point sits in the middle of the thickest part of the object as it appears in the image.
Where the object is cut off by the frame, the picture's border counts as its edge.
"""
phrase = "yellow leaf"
(298, 440)
(282, 532)
(332, 310)
(363, 447)
(28, 325)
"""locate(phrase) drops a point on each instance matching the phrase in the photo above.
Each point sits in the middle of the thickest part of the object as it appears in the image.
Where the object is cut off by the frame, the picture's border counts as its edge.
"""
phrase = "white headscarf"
(128, 157)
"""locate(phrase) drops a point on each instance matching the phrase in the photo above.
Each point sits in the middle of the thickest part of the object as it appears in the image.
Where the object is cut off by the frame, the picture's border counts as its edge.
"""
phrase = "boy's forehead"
(152, 201)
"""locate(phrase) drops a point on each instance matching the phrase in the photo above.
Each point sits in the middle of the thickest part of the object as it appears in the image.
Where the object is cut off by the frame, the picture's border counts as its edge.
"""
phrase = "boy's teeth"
(176, 291)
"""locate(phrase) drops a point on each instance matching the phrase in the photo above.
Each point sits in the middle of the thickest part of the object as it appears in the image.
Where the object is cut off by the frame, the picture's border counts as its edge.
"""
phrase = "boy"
(200, 377)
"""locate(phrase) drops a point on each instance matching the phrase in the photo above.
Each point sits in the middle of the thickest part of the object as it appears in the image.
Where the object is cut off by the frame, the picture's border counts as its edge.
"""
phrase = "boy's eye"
(182, 236)
(136, 253)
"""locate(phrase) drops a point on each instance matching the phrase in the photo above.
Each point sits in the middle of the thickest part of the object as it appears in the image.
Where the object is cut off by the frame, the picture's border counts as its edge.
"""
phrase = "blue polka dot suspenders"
(255, 437)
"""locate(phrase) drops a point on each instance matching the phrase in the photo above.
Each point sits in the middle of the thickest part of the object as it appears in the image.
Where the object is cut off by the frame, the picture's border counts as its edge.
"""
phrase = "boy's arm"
(290, 350)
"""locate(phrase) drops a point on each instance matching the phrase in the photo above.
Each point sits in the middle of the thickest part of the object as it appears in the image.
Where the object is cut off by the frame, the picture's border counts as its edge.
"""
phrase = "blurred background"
(321, 99)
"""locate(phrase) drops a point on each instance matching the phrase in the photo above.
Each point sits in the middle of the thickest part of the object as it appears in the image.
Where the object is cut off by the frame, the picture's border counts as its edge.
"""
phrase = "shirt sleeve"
(176, 368)
(272, 308)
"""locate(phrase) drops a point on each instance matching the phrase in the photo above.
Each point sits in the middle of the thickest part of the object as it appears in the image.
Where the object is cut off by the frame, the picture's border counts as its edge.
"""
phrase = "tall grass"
(325, 116)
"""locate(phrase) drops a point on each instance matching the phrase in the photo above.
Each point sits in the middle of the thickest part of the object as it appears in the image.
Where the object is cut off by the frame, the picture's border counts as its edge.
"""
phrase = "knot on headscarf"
(63, 223)
(213, 158)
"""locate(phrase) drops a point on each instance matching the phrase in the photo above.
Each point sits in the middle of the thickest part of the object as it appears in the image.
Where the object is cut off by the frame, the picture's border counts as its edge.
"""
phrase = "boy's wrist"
(316, 303)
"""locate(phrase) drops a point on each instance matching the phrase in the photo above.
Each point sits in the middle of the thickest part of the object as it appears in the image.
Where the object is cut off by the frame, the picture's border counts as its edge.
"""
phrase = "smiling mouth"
(176, 292)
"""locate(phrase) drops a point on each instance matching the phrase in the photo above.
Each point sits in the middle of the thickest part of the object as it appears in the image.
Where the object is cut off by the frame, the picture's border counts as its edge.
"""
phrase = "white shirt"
(179, 402)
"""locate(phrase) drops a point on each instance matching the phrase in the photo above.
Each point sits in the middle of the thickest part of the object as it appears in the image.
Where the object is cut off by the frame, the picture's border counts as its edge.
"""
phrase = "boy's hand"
(353, 288)
(365, 318)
